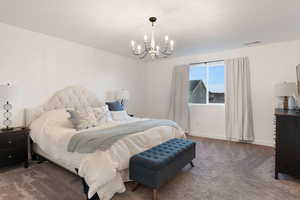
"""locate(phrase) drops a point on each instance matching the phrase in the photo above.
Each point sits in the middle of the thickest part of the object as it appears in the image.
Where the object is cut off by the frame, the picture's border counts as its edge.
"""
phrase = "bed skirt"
(37, 151)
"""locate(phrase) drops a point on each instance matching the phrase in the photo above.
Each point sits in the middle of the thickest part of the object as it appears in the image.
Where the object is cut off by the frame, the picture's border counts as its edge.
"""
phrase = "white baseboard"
(223, 137)
(208, 135)
(264, 143)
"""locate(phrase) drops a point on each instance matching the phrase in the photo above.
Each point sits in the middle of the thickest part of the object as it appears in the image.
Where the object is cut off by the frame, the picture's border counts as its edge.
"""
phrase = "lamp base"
(285, 103)
(7, 129)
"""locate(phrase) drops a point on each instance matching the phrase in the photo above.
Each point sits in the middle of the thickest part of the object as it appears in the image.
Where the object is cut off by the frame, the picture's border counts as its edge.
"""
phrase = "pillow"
(33, 114)
(102, 115)
(114, 106)
(56, 119)
(120, 115)
(83, 118)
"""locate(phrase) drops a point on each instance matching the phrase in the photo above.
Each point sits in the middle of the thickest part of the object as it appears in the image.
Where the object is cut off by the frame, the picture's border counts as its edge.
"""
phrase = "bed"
(104, 171)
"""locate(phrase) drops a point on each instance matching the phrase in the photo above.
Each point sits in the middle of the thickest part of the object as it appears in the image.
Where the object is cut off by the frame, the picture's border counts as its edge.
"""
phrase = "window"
(207, 83)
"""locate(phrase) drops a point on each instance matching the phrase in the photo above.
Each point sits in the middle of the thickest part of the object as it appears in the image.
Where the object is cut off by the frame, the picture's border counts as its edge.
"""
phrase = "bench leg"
(137, 185)
(192, 164)
(155, 195)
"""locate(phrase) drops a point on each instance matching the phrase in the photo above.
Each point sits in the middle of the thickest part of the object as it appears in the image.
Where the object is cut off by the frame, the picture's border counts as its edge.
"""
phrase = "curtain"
(238, 103)
(179, 110)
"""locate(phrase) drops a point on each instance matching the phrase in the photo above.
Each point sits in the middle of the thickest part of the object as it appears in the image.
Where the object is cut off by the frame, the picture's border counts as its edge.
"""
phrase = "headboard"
(70, 97)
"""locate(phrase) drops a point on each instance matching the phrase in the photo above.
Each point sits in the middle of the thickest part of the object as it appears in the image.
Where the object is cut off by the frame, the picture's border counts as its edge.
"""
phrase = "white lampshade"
(285, 89)
(123, 95)
(7, 92)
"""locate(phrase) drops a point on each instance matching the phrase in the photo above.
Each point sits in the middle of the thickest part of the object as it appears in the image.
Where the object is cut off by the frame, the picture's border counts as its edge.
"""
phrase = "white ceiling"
(195, 25)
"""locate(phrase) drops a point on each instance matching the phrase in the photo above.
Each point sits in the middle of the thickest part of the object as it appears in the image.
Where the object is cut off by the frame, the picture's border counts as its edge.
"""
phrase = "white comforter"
(101, 170)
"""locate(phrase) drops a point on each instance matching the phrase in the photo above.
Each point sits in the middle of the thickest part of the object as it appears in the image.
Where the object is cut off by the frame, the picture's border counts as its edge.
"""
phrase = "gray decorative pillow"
(82, 118)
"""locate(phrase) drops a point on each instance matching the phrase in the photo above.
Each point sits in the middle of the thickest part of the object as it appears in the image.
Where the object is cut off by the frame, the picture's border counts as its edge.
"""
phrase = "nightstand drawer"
(10, 156)
(12, 141)
(14, 146)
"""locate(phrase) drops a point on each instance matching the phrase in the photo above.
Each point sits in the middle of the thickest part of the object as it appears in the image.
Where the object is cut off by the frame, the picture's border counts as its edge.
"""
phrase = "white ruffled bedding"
(101, 170)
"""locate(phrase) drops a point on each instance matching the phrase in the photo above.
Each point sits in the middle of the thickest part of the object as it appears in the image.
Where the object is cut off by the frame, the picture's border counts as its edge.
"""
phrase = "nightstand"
(14, 146)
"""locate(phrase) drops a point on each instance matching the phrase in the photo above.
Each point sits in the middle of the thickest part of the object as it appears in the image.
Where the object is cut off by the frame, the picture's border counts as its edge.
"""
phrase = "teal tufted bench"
(156, 166)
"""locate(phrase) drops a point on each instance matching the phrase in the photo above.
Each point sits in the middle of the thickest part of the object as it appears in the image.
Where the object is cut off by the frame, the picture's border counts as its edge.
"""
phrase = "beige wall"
(38, 65)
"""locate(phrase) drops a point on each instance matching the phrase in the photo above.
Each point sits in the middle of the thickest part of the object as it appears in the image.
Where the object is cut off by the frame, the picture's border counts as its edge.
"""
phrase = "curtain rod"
(205, 62)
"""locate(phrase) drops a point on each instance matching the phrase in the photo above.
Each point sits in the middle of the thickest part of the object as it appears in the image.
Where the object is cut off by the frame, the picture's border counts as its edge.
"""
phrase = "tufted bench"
(159, 164)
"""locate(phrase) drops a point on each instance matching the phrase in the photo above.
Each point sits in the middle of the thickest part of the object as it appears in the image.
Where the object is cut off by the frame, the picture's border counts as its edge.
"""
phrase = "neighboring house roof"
(197, 93)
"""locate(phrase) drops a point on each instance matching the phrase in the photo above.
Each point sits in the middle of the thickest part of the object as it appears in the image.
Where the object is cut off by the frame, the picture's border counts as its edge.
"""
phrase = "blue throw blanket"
(91, 140)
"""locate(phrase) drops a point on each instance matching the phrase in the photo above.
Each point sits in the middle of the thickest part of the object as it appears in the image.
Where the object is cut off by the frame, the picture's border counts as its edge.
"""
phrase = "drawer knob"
(9, 156)
(9, 142)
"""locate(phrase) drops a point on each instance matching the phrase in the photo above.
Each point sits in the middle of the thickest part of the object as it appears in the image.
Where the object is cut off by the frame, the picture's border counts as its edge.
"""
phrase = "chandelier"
(150, 47)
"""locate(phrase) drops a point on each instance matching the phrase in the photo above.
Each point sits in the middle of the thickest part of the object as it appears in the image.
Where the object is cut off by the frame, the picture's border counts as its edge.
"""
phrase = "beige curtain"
(179, 110)
(238, 103)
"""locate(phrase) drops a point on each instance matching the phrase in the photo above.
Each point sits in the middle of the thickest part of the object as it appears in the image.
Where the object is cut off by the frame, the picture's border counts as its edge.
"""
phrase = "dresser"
(14, 146)
(287, 138)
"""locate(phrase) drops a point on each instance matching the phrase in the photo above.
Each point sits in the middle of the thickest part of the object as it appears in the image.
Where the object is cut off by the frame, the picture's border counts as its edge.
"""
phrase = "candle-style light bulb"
(132, 44)
(166, 39)
(139, 48)
(152, 42)
(157, 50)
(145, 38)
(172, 45)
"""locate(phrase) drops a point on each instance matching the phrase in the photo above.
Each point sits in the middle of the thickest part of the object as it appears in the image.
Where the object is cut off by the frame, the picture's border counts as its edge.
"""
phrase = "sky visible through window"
(215, 76)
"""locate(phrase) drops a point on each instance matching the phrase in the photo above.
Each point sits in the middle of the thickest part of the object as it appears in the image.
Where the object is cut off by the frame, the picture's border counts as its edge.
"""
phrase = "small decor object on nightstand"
(14, 146)
(6, 95)
(286, 90)
(297, 95)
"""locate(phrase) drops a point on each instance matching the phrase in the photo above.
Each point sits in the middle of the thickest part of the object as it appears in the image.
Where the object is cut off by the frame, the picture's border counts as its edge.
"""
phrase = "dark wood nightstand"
(14, 146)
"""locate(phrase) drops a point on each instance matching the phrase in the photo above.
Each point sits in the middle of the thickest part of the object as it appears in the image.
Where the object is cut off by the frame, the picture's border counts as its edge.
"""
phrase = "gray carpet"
(223, 171)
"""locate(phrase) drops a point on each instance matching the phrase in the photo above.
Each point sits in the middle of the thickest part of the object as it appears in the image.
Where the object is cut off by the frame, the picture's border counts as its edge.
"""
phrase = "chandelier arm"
(134, 52)
(166, 49)
(143, 56)
(161, 56)
(166, 53)
(138, 54)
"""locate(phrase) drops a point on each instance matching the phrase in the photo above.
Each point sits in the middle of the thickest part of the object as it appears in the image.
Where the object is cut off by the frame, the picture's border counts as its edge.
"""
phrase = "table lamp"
(6, 97)
(285, 90)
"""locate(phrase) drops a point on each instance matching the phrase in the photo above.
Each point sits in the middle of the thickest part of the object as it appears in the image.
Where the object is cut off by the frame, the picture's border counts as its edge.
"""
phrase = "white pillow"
(120, 115)
(102, 115)
(33, 114)
(57, 117)
(54, 119)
